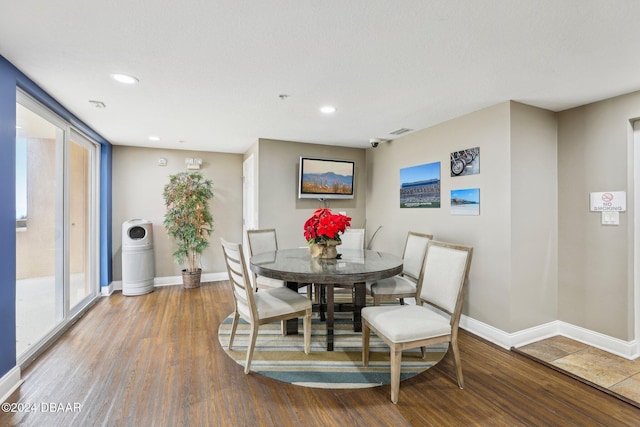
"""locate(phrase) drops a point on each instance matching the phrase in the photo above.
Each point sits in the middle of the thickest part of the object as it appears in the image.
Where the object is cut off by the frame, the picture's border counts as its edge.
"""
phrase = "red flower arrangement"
(324, 226)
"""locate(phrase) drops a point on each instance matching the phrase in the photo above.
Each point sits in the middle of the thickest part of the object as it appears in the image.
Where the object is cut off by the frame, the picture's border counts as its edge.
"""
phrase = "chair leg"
(234, 326)
(250, 348)
(396, 362)
(456, 362)
(307, 332)
(366, 335)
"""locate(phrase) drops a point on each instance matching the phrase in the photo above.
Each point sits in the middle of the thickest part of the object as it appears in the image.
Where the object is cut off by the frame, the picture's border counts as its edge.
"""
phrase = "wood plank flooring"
(155, 360)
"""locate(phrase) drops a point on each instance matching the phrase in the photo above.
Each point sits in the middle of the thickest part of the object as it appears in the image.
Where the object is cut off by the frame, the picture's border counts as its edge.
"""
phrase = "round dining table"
(353, 268)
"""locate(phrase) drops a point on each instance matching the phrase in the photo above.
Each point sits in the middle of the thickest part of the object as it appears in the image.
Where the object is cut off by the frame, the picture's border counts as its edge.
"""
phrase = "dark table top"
(296, 265)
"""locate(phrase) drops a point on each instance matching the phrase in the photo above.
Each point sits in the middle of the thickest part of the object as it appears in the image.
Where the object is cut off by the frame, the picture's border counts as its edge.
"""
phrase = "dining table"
(351, 269)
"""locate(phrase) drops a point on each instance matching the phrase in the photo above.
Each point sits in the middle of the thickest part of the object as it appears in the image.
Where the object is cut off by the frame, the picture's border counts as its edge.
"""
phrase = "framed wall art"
(465, 162)
(420, 186)
(465, 201)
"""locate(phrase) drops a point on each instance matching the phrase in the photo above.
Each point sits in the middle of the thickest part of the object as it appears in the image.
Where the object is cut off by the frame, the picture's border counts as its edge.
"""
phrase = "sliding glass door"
(38, 279)
(56, 223)
(81, 238)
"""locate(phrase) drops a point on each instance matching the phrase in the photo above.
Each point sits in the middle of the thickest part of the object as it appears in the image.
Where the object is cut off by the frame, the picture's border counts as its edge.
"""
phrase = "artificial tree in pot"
(188, 219)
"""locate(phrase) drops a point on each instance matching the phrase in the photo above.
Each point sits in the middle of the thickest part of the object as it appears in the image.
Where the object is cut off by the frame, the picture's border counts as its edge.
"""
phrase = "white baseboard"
(9, 383)
(505, 339)
(626, 349)
(116, 285)
(108, 290)
(177, 280)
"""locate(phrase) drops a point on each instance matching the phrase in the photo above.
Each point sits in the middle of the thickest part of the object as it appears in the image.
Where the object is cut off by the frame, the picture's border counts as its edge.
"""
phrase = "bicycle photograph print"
(465, 162)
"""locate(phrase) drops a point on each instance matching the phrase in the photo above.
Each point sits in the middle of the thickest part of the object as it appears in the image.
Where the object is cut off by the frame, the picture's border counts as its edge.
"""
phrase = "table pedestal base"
(327, 305)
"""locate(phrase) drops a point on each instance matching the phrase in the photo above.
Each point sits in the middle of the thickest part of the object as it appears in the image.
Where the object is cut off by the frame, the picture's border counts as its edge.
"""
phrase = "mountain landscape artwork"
(326, 177)
(328, 182)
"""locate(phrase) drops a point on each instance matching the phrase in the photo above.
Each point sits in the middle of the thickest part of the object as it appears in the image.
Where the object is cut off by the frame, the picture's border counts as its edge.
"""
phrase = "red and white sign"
(608, 201)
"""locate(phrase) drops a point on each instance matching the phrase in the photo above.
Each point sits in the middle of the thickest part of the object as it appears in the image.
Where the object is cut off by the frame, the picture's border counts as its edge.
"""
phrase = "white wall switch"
(610, 218)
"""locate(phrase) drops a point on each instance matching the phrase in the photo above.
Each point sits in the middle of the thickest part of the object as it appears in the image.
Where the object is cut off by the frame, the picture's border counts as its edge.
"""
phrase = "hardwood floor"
(155, 360)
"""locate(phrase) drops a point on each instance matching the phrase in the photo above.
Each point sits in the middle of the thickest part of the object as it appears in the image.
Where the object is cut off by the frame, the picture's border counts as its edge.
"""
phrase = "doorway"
(636, 231)
(249, 199)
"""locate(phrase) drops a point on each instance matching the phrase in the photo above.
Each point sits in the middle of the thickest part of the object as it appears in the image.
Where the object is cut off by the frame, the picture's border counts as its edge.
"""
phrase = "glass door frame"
(93, 273)
(65, 315)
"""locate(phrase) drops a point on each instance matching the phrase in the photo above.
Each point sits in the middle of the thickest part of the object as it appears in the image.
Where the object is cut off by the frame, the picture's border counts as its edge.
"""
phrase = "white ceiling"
(211, 72)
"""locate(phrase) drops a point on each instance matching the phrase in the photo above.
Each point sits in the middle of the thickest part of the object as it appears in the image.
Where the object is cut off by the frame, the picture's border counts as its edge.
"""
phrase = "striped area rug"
(282, 357)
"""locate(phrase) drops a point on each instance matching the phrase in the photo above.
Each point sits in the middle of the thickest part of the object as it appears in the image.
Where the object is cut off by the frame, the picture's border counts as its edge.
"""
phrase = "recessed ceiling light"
(328, 109)
(124, 78)
(154, 138)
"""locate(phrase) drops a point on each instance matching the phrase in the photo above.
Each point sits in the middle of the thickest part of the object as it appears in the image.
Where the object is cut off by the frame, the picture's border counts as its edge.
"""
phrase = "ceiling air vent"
(400, 131)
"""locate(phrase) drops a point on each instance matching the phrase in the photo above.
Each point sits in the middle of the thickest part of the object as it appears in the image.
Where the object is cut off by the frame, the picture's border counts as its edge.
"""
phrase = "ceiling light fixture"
(154, 138)
(328, 109)
(124, 78)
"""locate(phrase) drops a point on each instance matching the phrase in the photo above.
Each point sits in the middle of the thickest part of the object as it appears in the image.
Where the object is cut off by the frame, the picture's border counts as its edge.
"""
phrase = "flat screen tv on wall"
(325, 178)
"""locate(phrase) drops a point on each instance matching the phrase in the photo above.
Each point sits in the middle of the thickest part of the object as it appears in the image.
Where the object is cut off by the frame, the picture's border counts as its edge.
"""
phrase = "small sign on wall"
(610, 218)
(608, 201)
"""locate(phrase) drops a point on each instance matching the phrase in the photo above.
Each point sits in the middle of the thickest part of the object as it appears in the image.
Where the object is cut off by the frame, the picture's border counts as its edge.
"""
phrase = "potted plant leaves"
(189, 221)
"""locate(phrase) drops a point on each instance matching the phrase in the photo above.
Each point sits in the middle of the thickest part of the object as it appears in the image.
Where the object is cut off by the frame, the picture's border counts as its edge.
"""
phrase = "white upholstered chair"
(260, 241)
(434, 320)
(352, 238)
(404, 284)
(265, 240)
(266, 306)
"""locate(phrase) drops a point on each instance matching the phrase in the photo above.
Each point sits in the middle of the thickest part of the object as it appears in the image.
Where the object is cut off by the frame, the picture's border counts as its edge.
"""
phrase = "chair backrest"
(415, 249)
(352, 238)
(263, 240)
(238, 278)
(445, 276)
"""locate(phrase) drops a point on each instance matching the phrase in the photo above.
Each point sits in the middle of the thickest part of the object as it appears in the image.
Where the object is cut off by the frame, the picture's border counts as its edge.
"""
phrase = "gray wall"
(595, 153)
(540, 255)
(279, 206)
(534, 217)
(138, 183)
(511, 237)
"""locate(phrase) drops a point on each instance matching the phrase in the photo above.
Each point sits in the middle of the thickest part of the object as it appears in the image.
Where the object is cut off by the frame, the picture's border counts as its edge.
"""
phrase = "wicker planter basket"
(191, 279)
